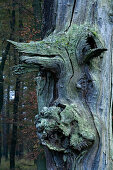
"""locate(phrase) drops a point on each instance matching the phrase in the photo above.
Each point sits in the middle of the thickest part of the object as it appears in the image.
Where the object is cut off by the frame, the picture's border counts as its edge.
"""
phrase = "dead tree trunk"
(74, 85)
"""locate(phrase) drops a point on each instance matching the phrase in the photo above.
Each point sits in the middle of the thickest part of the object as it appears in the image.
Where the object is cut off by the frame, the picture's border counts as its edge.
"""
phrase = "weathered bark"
(74, 86)
(49, 16)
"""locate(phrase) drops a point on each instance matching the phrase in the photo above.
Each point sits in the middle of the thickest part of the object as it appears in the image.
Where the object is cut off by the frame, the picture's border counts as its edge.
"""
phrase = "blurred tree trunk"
(37, 11)
(17, 93)
(14, 128)
(7, 120)
(2, 64)
(21, 144)
(5, 115)
(60, 15)
(4, 125)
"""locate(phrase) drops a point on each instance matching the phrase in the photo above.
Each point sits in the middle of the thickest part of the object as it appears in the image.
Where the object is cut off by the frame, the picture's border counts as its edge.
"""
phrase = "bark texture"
(74, 85)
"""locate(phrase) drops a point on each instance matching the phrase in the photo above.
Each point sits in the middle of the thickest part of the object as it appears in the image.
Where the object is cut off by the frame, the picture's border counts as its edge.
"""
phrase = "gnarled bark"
(74, 86)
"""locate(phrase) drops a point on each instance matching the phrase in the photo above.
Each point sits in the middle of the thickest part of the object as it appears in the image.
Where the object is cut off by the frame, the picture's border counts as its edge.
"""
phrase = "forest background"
(21, 21)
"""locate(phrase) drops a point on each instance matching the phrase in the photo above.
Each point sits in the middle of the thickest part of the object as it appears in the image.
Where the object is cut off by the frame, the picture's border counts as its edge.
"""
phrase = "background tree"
(16, 27)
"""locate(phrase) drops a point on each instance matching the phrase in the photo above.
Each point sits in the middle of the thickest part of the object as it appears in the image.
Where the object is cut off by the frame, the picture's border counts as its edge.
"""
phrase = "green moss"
(74, 122)
(53, 147)
(75, 140)
(53, 43)
(71, 122)
(81, 125)
(68, 45)
(66, 129)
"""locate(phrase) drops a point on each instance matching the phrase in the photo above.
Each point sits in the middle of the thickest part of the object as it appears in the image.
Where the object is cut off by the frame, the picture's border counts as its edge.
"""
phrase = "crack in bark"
(71, 64)
(98, 136)
(74, 4)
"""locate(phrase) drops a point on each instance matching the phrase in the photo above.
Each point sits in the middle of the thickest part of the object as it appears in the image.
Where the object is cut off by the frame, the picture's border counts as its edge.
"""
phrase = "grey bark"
(74, 86)
(97, 14)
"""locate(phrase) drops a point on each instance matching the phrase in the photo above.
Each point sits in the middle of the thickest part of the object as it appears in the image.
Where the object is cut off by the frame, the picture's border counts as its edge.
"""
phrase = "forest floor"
(21, 164)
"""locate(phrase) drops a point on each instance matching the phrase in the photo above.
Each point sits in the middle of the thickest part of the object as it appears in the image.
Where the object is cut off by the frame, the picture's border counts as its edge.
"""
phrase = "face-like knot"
(66, 87)
(65, 130)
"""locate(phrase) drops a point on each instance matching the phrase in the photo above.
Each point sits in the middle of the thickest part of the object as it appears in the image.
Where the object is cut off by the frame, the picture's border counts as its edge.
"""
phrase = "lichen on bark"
(67, 131)
(66, 87)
